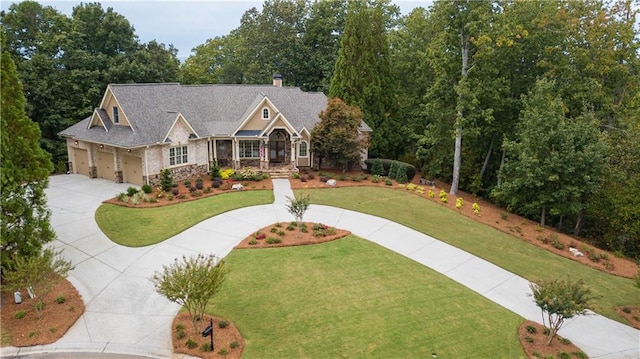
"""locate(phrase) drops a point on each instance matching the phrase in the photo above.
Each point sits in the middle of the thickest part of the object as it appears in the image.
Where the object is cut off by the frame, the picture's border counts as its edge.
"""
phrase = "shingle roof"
(212, 110)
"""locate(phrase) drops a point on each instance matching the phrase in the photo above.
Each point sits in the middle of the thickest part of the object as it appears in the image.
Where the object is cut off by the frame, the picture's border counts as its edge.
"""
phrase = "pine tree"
(362, 76)
(25, 169)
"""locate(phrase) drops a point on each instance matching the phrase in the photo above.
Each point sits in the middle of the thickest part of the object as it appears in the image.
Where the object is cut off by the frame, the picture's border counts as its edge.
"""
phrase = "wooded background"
(534, 105)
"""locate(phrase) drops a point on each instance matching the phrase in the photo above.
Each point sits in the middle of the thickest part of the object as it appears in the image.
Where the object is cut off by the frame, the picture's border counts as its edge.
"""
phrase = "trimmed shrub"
(175, 191)
(386, 164)
(131, 191)
(377, 167)
(393, 170)
(401, 173)
(146, 188)
(166, 179)
(223, 324)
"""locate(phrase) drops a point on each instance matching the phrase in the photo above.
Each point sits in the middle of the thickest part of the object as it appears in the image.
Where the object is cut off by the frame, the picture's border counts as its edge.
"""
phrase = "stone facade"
(188, 172)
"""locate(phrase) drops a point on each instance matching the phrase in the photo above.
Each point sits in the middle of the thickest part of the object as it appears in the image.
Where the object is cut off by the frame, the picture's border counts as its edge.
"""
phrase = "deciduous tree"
(298, 207)
(191, 282)
(553, 161)
(336, 137)
(560, 300)
(38, 274)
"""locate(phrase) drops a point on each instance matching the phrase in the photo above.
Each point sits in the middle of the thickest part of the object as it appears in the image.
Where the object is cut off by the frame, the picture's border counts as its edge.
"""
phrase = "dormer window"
(115, 115)
(265, 113)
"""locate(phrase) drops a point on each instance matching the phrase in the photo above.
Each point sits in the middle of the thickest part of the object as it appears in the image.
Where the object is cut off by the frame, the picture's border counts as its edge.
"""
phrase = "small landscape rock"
(331, 183)
(237, 186)
(576, 252)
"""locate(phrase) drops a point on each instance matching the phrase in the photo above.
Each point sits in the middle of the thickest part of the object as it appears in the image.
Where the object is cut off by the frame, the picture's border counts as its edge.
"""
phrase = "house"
(140, 129)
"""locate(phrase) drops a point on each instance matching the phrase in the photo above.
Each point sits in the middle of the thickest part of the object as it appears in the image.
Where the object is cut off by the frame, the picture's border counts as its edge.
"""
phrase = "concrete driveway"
(125, 317)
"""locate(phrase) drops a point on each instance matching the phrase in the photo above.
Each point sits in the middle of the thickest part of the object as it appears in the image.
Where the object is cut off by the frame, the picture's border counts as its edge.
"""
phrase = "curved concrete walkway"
(125, 317)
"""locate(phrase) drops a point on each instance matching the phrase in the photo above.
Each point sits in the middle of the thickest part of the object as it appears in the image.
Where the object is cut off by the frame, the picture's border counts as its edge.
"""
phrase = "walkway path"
(124, 315)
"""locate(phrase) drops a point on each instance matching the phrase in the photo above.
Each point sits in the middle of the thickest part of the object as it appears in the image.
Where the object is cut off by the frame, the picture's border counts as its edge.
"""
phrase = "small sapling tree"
(39, 274)
(560, 300)
(191, 282)
(166, 179)
(297, 208)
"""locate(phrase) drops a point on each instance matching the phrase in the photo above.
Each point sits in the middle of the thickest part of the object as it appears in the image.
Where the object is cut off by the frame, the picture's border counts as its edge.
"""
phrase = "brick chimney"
(277, 80)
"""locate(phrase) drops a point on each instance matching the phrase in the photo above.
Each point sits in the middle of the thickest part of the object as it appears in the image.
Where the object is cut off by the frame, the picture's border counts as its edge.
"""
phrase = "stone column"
(265, 157)
(293, 154)
(235, 154)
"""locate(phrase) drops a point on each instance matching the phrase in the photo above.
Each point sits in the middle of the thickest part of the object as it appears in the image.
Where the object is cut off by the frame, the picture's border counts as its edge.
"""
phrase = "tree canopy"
(448, 89)
(24, 170)
(336, 137)
(65, 63)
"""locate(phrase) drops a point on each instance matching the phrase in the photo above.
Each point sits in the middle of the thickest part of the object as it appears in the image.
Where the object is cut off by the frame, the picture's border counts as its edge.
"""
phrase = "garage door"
(133, 170)
(105, 166)
(81, 161)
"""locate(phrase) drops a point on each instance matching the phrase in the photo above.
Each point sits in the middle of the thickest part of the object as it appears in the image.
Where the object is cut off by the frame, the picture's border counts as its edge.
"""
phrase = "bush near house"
(387, 165)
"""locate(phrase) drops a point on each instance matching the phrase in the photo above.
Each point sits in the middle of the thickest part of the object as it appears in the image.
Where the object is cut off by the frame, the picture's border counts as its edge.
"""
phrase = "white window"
(265, 113)
(303, 150)
(249, 149)
(178, 155)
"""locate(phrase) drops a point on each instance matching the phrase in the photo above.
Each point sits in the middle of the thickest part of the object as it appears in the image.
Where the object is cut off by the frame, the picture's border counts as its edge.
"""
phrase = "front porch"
(275, 153)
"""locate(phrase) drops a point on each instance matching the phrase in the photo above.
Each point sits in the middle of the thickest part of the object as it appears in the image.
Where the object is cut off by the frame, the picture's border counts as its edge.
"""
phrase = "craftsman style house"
(140, 129)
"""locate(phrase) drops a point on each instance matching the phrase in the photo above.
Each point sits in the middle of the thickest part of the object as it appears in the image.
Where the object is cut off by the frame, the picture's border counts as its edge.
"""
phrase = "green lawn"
(137, 227)
(497, 247)
(352, 298)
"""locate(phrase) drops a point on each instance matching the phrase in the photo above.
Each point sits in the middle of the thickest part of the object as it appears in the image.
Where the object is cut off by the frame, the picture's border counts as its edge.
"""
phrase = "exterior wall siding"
(256, 122)
(110, 103)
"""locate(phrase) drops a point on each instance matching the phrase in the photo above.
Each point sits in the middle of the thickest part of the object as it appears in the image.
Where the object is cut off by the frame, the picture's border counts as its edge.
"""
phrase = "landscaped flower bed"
(288, 234)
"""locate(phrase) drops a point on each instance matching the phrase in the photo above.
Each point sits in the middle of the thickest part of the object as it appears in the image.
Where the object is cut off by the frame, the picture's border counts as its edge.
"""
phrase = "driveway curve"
(126, 318)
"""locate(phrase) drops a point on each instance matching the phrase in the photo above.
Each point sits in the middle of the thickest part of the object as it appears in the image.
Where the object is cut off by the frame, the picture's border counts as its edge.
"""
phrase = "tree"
(271, 41)
(38, 274)
(65, 63)
(191, 282)
(559, 300)
(25, 169)
(336, 137)
(323, 29)
(362, 75)
(297, 208)
(215, 61)
(166, 179)
(462, 31)
(553, 162)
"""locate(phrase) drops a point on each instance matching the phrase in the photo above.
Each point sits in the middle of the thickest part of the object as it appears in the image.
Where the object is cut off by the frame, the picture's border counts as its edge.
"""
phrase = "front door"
(277, 151)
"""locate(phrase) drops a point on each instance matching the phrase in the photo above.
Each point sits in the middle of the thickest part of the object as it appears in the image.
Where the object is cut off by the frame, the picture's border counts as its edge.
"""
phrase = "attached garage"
(81, 161)
(133, 170)
(105, 166)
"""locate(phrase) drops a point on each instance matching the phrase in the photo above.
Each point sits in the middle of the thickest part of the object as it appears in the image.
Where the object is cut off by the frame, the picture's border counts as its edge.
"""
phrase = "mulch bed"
(536, 343)
(227, 342)
(56, 317)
